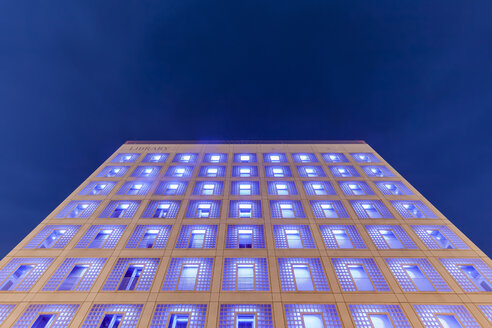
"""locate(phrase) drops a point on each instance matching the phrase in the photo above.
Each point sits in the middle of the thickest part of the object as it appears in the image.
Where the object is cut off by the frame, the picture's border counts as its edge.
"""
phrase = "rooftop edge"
(198, 142)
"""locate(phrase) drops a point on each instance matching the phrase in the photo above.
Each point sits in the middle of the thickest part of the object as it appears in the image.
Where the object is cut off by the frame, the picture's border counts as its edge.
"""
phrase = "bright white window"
(146, 172)
(418, 278)
(278, 172)
(245, 238)
(179, 172)
(319, 189)
(187, 279)
(245, 189)
(120, 210)
(203, 210)
(98, 188)
(372, 211)
(380, 320)
(312, 320)
(310, 172)
(302, 277)
(245, 277)
(185, 158)
(304, 158)
(77, 211)
(360, 277)
(342, 238)
(334, 158)
(281, 189)
(287, 211)
(245, 172)
(197, 238)
(171, 189)
(344, 172)
(274, 158)
(244, 158)
(414, 211)
(245, 210)
(215, 158)
(391, 239)
(377, 171)
(161, 210)
(212, 172)
(208, 189)
(155, 158)
(393, 189)
(293, 238)
(113, 172)
(448, 321)
(356, 189)
(329, 211)
(134, 189)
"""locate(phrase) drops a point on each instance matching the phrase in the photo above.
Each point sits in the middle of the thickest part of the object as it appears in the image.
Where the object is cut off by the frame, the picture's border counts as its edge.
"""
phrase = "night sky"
(79, 78)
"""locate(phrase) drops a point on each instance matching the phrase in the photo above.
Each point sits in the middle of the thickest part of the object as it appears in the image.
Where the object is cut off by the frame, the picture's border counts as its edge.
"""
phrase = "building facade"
(245, 235)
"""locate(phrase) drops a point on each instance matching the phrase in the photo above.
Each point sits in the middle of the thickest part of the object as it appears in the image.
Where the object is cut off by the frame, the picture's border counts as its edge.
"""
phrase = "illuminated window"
(313, 320)
(185, 158)
(360, 277)
(161, 211)
(178, 320)
(335, 158)
(97, 189)
(119, 210)
(302, 277)
(391, 239)
(393, 188)
(277, 172)
(77, 211)
(244, 158)
(52, 238)
(171, 189)
(244, 172)
(214, 158)
(43, 321)
(343, 172)
(287, 211)
(134, 189)
(245, 210)
(274, 158)
(197, 238)
(188, 277)
(310, 172)
(376, 171)
(148, 238)
(319, 189)
(146, 172)
(356, 189)
(371, 211)
(342, 238)
(155, 158)
(418, 278)
(439, 238)
(203, 211)
(212, 172)
(329, 211)
(293, 238)
(16, 277)
(244, 238)
(245, 189)
(113, 172)
(380, 320)
(179, 172)
(100, 239)
(245, 277)
(74, 277)
(208, 189)
(281, 189)
(476, 277)
(245, 321)
(414, 211)
(130, 277)
(111, 321)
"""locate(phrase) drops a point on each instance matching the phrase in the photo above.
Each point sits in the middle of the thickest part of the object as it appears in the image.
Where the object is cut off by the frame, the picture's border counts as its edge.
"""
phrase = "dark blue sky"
(412, 78)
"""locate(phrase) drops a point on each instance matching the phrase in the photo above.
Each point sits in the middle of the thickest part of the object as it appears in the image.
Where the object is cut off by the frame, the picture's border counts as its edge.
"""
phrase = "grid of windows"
(210, 171)
(179, 171)
(20, 274)
(155, 158)
(416, 275)
(355, 188)
(149, 236)
(189, 273)
(75, 274)
(197, 236)
(80, 209)
(334, 158)
(328, 209)
(245, 188)
(113, 171)
(245, 236)
(302, 274)
(126, 315)
(378, 316)
(53, 236)
(243, 274)
(390, 236)
(286, 209)
(98, 188)
(438, 236)
(101, 236)
(242, 315)
(359, 274)
(132, 274)
(278, 172)
(370, 209)
(54, 315)
(473, 275)
(245, 209)
(171, 188)
(313, 171)
(5, 310)
(312, 316)
(202, 209)
(158, 209)
(437, 316)
(293, 236)
(413, 209)
(122, 209)
(179, 315)
(208, 188)
(341, 236)
(318, 188)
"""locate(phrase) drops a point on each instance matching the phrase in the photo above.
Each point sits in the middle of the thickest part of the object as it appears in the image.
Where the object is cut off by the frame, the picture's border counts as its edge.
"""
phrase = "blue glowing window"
(130, 314)
(101, 236)
(311, 171)
(377, 171)
(245, 158)
(125, 158)
(120, 209)
(378, 316)
(345, 171)
(145, 171)
(135, 188)
(179, 315)
(286, 209)
(75, 274)
(245, 236)
(281, 188)
(277, 171)
(132, 274)
(356, 188)
(21, 273)
(245, 188)
(439, 237)
(370, 209)
(111, 320)
(203, 209)
(302, 274)
(359, 274)
(413, 209)
(47, 315)
(293, 236)
(185, 158)
(210, 171)
(245, 274)
(365, 157)
(208, 188)
(162, 209)
(171, 188)
(304, 158)
(312, 316)
(390, 237)
(335, 158)
(449, 316)
(197, 236)
(274, 158)
(179, 171)
(341, 236)
(53, 236)
(78, 209)
(203, 276)
(245, 316)
(113, 171)
(155, 158)
(149, 236)
(244, 171)
(187, 278)
(393, 188)
(98, 188)
(245, 209)
(318, 188)
(328, 209)
(215, 158)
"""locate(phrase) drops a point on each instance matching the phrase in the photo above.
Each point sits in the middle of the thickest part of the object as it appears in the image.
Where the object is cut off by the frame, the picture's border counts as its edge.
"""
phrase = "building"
(286, 234)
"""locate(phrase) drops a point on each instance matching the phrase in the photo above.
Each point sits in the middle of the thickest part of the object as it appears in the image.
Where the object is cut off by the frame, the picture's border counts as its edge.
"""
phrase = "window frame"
(143, 265)
(68, 273)
(306, 264)
(181, 272)
(347, 265)
(249, 265)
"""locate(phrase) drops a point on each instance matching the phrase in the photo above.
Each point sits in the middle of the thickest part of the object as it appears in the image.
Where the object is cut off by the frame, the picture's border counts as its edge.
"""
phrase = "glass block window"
(197, 236)
(245, 236)
(486, 309)
(378, 315)
(370, 209)
(286, 209)
(304, 158)
(179, 171)
(5, 310)
(281, 188)
(390, 188)
(20, 274)
(149, 236)
(377, 171)
(208, 188)
(117, 278)
(274, 158)
(162, 209)
(328, 209)
(171, 188)
(155, 158)
(438, 237)
(413, 209)
(345, 171)
(245, 209)
(245, 274)
(244, 171)
(301, 315)
(212, 171)
(313, 171)
(341, 236)
(278, 172)
(113, 171)
(79, 209)
(58, 315)
(473, 275)
(359, 274)
(101, 236)
(240, 315)
(75, 274)
(203, 209)
(177, 280)
(98, 188)
(293, 236)
(191, 315)
(135, 188)
(123, 209)
(145, 171)
(245, 158)
(416, 275)
(390, 237)
(215, 158)
(53, 236)
(291, 281)
(318, 188)
(130, 313)
(365, 157)
(125, 158)
(335, 158)
(445, 315)
(185, 158)
(355, 188)
(245, 188)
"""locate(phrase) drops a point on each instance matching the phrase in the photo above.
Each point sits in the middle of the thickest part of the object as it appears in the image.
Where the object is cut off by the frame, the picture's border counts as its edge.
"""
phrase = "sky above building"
(412, 78)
